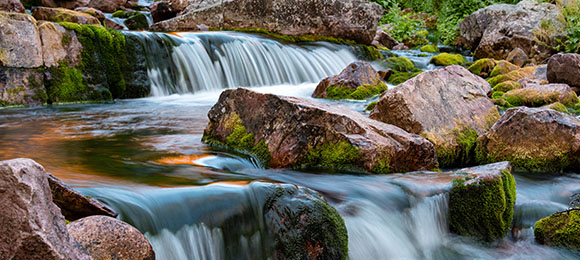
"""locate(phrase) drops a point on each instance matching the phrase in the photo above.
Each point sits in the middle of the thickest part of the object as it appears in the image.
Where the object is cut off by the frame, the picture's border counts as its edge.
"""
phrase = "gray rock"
(59, 45)
(19, 86)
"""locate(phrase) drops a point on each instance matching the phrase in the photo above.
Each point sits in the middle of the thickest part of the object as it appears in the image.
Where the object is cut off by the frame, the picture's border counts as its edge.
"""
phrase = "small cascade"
(194, 62)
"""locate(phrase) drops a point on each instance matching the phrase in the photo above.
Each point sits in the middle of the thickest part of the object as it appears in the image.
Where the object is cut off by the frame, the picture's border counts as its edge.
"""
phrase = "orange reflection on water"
(182, 159)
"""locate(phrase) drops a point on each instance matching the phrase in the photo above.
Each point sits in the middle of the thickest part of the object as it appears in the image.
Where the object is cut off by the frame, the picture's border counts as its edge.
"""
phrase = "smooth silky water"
(144, 158)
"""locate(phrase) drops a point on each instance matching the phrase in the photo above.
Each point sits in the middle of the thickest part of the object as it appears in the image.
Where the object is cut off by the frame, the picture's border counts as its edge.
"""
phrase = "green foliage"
(446, 59)
(404, 27)
(341, 155)
(571, 18)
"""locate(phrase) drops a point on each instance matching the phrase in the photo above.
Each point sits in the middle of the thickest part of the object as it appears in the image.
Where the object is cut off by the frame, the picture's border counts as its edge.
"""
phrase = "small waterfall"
(194, 62)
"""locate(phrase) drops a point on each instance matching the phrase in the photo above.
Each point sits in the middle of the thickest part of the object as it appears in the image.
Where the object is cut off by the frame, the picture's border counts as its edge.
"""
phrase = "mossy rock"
(561, 230)
(455, 155)
(430, 48)
(136, 21)
(360, 93)
(507, 86)
(446, 59)
(482, 207)
(371, 106)
(534, 97)
(512, 76)
(503, 67)
(558, 107)
(340, 155)
(400, 77)
(400, 64)
(482, 67)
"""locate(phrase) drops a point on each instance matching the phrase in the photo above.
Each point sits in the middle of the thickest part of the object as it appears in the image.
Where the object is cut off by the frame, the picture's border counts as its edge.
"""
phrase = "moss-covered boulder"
(561, 229)
(134, 20)
(507, 86)
(530, 73)
(533, 139)
(288, 132)
(503, 67)
(359, 80)
(430, 48)
(446, 59)
(434, 105)
(64, 15)
(481, 201)
(534, 95)
(403, 69)
(482, 67)
(558, 107)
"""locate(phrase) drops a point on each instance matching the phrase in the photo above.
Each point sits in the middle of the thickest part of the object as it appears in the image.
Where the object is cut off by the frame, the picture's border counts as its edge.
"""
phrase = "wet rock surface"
(359, 75)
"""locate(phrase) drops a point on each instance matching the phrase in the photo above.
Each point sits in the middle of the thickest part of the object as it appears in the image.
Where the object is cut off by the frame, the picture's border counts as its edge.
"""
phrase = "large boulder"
(348, 19)
(533, 139)
(19, 86)
(561, 229)
(107, 6)
(294, 132)
(20, 45)
(359, 80)
(64, 15)
(565, 68)
(449, 106)
(494, 31)
(31, 226)
(59, 45)
(109, 238)
(69, 4)
(74, 205)
(481, 201)
(12, 6)
(535, 95)
(162, 10)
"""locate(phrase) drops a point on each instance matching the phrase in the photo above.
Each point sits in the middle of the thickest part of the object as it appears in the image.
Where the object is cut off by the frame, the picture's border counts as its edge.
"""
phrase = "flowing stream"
(144, 157)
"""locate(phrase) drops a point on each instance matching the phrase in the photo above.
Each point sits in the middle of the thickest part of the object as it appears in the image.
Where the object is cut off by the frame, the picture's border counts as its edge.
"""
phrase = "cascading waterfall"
(194, 62)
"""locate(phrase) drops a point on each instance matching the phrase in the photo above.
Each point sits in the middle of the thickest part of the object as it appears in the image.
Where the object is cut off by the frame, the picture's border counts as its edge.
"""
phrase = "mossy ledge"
(482, 208)
(561, 229)
(460, 155)
(557, 163)
(360, 93)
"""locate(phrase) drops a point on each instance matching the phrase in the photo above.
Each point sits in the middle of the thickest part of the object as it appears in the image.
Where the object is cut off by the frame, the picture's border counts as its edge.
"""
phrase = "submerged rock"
(31, 225)
(565, 68)
(481, 201)
(108, 238)
(494, 31)
(359, 80)
(20, 45)
(64, 15)
(533, 139)
(347, 19)
(293, 132)
(561, 229)
(74, 205)
(449, 106)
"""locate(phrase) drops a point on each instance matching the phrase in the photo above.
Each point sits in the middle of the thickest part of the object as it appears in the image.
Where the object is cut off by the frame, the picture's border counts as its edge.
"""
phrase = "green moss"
(482, 208)
(399, 64)
(136, 21)
(507, 86)
(122, 14)
(382, 165)
(65, 85)
(463, 154)
(534, 98)
(446, 59)
(482, 67)
(371, 106)
(293, 38)
(243, 141)
(359, 93)
(514, 75)
(66, 39)
(503, 67)
(370, 52)
(561, 229)
(400, 77)
(430, 48)
(497, 94)
(341, 155)
(559, 107)
(526, 162)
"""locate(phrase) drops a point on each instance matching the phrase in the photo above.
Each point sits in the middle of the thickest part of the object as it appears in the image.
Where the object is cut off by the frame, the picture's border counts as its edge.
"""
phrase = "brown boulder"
(31, 226)
(449, 106)
(109, 238)
(19, 86)
(565, 68)
(107, 6)
(518, 57)
(347, 19)
(74, 205)
(494, 31)
(359, 74)
(112, 24)
(20, 45)
(534, 139)
(385, 39)
(294, 132)
(12, 6)
(69, 4)
(92, 11)
(64, 15)
(161, 11)
(59, 45)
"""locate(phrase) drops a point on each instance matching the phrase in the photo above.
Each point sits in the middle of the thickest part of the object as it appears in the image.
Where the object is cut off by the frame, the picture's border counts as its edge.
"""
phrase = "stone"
(284, 132)
(535, 95)
(561, 229)
(109, 238)
(446, 59)
(92, 11)
(359, 80)
(518, 57)
(385, 39)
(503, 67)
(347, 19)
(400, 46)
(481, 201)
(68, 4)
(112, 24)
(107, 6)
(402, 69)
(31, 226)
(161, 11)
(482, 67)
(74, 205)
(64, 15)
(137, 21)
(59, 45)
(533, 139)
(496, 30)
(449, 106)
(12, 6)
(20, 45)
(565, 68)
(385, 74)
(20, 86)
(520, 75)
